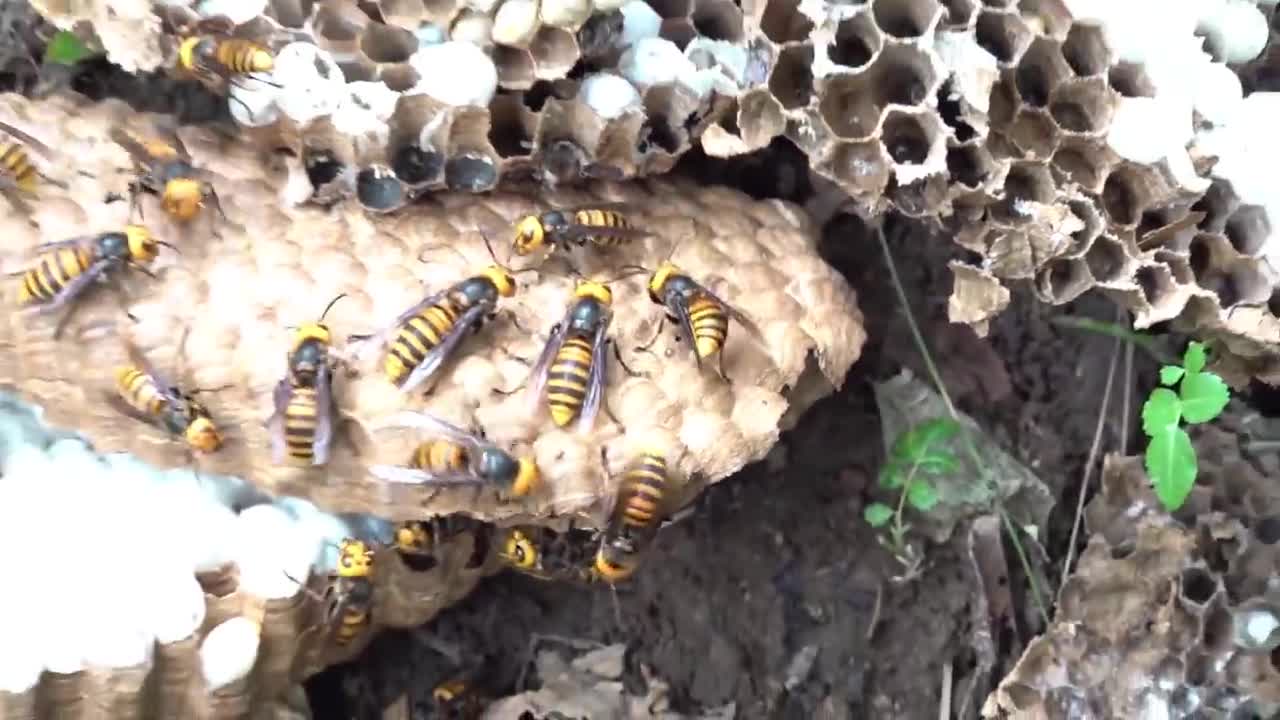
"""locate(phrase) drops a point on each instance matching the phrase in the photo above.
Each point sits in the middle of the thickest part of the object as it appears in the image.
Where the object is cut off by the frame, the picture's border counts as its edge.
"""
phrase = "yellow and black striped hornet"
(302, 420)
(572, 370)
(420, 341)
(349, 595)
(19, 177)
(143, 394)
(165, 168)
(209, 52)
(639, 507)
(453, 456)
(458, 698)
(548, 555)
(703, 318)
(67, 268)
(604, 225)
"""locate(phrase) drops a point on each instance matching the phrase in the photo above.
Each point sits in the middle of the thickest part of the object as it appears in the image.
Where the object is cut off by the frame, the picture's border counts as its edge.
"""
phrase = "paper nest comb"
(1163, 617)
(272, 267)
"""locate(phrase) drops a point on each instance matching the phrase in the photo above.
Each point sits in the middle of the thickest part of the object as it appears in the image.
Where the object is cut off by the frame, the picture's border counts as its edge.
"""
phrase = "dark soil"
(777, 558)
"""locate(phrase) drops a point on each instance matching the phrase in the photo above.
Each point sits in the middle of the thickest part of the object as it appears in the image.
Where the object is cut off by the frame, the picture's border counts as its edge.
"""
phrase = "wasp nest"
(234, 287)
(203, 591)
(1163, 617)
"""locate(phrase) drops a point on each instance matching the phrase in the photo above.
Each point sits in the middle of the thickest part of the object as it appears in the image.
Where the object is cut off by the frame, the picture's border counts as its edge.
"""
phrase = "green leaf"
(1204, 395)
(937, 463)
(1171, 374)
(1171, 463)
(891, 475)
(1162, 410)
(65, 48)
(922, 496)
(1195, 356)
(877, 514)
(912, 443)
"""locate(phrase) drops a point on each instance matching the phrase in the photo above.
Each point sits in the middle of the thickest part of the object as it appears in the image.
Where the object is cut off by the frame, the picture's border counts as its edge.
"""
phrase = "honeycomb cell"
(1106, 260)
(1267, 529)
(1197, 586)
(473, 27)
(969, 165)
(718, 20)
(1026, 182)
(1082, 106)
(1245, 282)
(1218, 204)
(511, 127)
(406, 14)
(1088, 213)
(905, 19)
(600, 35)
(398, 77)
(860, 167)
(908, 137)
(338, 28)
(791, 80)
(358, 70)
(1248, 229)
(1085, 50)
(1063, 280)
(515, 67)
(1127, 194)
(679, 31)
(416, 166)
(378, 189)
(783, 22)
(1130, 80)
(1004, 35)
(903, 75)
(290, 13)
(1084, 162)
(952, 113)
(1046, 17)
(920, 198)
(1273, 303)
(672, 9)
(1034, 133)
(1156, 283)
(958, 14)
(554, 51)
(440, 12)
(1204, 255)
(849, 106)
(387, 43)
(471, 172)
(856, 42)
(1040, 70)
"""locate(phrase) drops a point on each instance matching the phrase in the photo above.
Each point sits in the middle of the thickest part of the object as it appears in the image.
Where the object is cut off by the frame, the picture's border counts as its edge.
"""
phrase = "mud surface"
(778, 560)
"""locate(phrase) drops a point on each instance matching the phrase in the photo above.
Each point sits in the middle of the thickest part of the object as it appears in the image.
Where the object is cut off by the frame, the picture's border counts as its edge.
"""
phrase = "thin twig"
(875, 611)
(1148, 343)
(1127, 384)
(936, 378)
(944, 702)
(1088, 466)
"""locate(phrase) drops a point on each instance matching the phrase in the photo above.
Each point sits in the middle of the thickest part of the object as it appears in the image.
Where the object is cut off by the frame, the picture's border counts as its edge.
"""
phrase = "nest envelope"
(235, 287)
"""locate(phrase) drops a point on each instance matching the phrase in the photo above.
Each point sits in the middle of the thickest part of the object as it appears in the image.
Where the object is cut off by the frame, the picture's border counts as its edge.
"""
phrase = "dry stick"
(936, 378)
(944, 702)
(1128, 394)
(1088, 466)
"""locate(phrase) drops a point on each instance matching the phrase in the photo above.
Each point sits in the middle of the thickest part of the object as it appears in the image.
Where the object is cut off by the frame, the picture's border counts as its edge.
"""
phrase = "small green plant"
(918, 455)
(1201, 397)
(65, 48)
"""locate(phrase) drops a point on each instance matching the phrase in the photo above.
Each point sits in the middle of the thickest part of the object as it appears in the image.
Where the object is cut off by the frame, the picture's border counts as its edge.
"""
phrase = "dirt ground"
(778, 559)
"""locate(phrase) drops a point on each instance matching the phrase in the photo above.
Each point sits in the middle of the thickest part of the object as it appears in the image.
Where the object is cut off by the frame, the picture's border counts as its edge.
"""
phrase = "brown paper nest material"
(272, 266)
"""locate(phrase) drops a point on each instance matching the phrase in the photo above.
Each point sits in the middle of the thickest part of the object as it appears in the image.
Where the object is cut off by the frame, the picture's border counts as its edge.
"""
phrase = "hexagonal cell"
(1156, 282)
(600, 35)
(321, 166)
(1130, 80)
(903, 75)
(338, 27)
(1245, 282)
(907, 138)
(905, 19)
(958, 13)
(1082, 106)
(678, 30)
(1248, 229)
(1004, 35)
(1063, 280)
(378, 190)
(416, 166)
(791, 81)
(861, 167)
(1085, 50)
(671, 9)
(403, 13)
(1273, 303)
(848, 105)
(1026, 182)
(783, 22)
(1086, 211)
(1046, 17)
(473, 27)
(718, 20)
(290, 13)
(969, 165)
(920, 198)
(1084, 162)
(1034, 133)
(1106, 259)
(471, 172)
(1040, 70)
(398, 77)
(1205, 255)
(511, 126)
(1127, 193)
(1218, 204)
(856, 42)
(358, 70)
(515, 67)
(554, 51)
(387, 43)
(440, 11)
(950, 110)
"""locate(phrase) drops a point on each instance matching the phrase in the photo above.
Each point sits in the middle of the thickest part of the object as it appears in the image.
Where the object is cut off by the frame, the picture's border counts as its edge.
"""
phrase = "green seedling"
(1201, 397)
(65, 48)
(918, 455)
